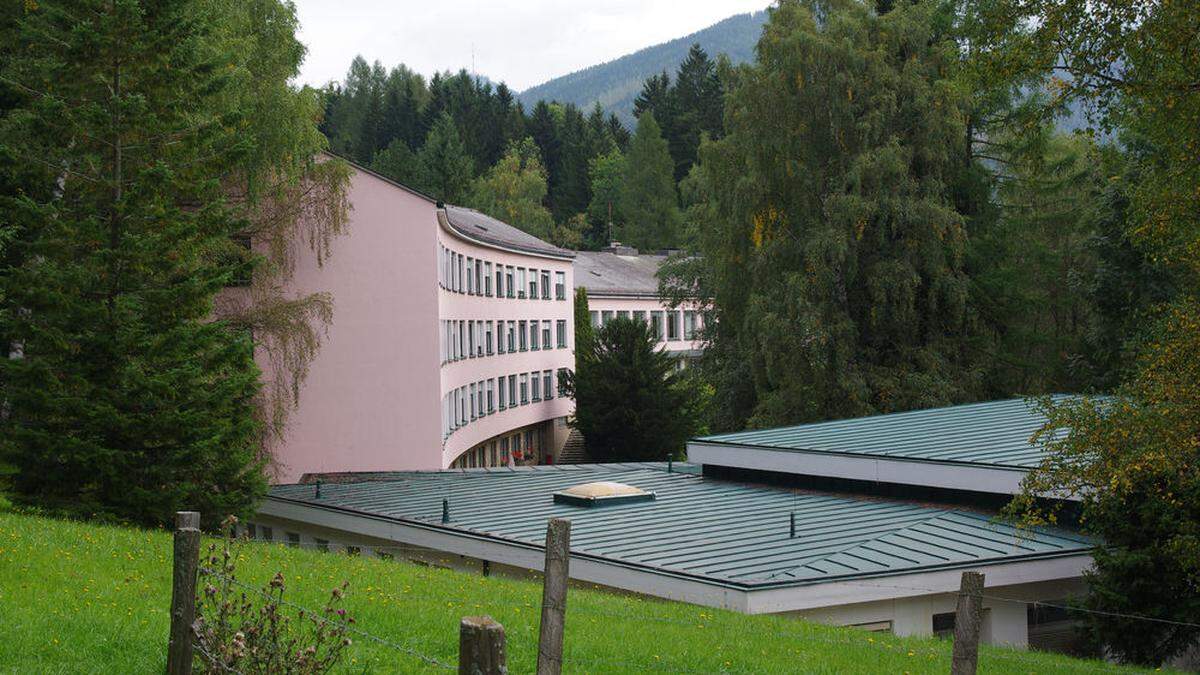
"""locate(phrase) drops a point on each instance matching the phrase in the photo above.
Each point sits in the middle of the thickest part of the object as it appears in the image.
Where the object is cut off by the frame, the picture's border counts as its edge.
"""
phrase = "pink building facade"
(422, 366)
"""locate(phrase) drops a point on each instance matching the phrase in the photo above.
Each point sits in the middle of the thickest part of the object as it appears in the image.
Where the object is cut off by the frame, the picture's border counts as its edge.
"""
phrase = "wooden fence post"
(554, 596)
(481, 647)
(968, 617)
(183, 592)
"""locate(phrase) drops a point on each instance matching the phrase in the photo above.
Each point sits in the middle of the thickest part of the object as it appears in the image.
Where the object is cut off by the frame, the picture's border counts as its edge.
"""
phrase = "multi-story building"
(621, 282)
(448, 333)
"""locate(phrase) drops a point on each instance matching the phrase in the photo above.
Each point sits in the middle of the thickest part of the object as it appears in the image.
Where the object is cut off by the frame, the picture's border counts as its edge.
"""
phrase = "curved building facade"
(430, 360)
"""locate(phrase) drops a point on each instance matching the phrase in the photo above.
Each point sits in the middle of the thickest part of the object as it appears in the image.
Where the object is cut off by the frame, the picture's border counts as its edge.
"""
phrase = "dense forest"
(463, 140)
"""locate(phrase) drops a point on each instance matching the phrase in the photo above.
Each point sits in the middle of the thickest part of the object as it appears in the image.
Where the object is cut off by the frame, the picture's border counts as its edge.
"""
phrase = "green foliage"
(833, 251)
(607, 175)
(649, 205)
(1033, 267)
(631, 404)
(513, 190)
(584, 333)
(445, 169)
(1134, 462)
(127, 400)
(399, 163)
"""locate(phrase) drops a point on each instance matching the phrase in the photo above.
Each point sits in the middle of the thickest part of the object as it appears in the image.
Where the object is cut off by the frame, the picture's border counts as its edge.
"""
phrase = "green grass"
(77, 597)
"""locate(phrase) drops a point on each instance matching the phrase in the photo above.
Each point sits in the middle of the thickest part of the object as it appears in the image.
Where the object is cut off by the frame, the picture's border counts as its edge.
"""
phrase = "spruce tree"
(649, 205)
(125, 398)
(446, 170)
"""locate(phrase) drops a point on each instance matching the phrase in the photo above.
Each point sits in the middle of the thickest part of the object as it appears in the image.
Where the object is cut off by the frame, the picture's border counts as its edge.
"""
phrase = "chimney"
(618, 248)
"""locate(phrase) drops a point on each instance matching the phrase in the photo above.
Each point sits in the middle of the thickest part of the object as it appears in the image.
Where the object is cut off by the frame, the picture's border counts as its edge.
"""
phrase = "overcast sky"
(522, 43)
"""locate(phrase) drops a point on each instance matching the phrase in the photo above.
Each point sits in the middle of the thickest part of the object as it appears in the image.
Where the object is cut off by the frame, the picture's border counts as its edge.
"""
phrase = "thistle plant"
(242, 629)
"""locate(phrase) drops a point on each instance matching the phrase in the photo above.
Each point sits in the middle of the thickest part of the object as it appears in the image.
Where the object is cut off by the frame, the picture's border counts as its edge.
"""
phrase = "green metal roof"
(702, 527)
(995, 433)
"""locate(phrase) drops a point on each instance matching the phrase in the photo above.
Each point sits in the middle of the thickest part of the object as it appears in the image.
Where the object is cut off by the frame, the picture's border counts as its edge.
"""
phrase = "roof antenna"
(670, 463)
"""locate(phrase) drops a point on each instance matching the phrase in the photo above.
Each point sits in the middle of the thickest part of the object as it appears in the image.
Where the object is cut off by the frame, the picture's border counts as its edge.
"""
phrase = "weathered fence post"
(968, 617)
(554, 596)
(481, 647)
(183, 592)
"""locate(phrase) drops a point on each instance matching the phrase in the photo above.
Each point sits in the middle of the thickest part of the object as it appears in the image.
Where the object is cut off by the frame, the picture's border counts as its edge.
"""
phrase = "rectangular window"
(512, 337)
(487, 279)
(560, 285)
(562, 376)
(250, 531)
(512, 391)
(535, 387)
(488, 338)
(322, 545)
(521, 331)
(547, 388)
(293, 539)
(533, 284)
(502, 390)
(462, 340)
(470, 276)
(595, 317)
(267, 533)
(479, 337)
(623, 314)
(478, 278)
(459, 283)
(639, 316)
(471, 338)
(546, 334)
(560, 329)
(605, 317)
(491, 396)
(500, 336)
(656, 325)
(534, 342)
(472, 397)
(545, 284)
(524, 388)
(508, 281)
(672, 325)
(689, 325)
(499, 280)
(520, 282)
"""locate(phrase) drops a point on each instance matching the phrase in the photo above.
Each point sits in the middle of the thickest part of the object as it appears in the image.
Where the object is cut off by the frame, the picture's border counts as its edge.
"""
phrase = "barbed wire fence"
(487, 639)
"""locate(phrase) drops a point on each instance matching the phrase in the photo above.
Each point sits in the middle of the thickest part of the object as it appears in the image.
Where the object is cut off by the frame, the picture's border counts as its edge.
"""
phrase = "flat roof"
(706, 529)
(606, 273)
(993, 433)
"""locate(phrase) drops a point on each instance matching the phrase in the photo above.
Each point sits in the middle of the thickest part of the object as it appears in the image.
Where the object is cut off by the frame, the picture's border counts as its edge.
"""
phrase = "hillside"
(76, 597)
(616, 83)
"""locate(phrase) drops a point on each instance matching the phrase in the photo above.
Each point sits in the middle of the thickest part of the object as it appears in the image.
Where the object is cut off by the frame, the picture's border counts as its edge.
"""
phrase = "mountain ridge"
(616, 83)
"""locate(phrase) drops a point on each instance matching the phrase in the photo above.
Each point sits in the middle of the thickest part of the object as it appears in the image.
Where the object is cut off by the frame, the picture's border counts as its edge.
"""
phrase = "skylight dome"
(602, 493)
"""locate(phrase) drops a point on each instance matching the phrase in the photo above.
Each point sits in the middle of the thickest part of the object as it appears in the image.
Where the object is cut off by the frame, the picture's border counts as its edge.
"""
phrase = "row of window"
(479, 399)
(665, 325)
(511, 449)
(469, 338)
(472, 276)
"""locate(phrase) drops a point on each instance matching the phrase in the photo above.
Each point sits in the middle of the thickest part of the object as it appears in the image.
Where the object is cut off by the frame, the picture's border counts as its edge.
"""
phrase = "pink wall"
(371, 398)
(454, 306)
(602, 303)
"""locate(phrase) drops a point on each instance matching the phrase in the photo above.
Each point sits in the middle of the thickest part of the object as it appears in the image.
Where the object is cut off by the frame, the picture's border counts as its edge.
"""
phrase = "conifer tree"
(446, 171)
(607, 176)
(649, 205)
(158, 133)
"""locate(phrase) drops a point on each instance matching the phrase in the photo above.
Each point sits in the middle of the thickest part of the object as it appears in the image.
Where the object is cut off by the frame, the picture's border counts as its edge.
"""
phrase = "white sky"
(521, 42)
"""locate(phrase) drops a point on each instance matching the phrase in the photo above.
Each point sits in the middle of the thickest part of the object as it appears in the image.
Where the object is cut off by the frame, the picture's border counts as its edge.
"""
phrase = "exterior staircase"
(573, 451)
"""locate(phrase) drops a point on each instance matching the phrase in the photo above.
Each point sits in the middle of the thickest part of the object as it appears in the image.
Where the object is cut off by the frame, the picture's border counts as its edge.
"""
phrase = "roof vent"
(602, 493)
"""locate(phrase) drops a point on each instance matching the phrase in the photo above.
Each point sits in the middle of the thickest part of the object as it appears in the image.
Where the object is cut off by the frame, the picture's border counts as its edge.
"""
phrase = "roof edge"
(448, 223)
